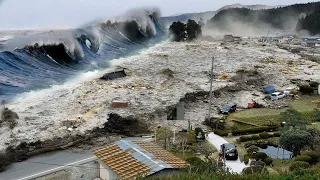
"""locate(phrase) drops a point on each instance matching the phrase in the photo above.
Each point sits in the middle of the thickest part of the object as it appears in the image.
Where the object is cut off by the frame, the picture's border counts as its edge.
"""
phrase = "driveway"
(234, 166)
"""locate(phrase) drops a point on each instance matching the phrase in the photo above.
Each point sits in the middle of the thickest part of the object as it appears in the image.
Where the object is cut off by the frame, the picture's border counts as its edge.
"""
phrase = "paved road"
(40, 164)
(234, 166)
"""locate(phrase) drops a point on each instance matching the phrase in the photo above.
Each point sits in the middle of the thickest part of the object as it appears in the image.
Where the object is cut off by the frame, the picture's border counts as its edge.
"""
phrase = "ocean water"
(31, 60)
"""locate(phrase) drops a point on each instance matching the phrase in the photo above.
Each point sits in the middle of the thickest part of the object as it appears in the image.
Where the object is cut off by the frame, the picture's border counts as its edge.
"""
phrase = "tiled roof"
(130, 159)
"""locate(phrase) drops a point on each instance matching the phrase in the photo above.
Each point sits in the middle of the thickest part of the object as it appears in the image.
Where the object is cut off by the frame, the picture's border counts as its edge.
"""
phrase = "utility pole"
(210, 96)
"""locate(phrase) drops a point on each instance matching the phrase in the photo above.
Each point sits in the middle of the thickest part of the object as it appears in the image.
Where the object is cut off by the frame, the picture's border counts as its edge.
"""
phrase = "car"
(277, 95)
(229, 151)
(228, 109)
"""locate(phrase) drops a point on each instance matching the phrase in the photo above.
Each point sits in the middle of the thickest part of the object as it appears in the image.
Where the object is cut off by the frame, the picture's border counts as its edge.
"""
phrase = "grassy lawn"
(266, 116)
(281, 165)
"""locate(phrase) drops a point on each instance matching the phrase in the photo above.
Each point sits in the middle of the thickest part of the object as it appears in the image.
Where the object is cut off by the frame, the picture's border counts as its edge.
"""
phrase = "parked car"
(229, 109)
(229, 151)
(277, 95)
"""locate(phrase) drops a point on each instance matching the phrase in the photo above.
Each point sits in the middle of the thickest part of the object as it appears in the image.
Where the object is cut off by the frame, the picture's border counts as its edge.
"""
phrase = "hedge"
(264, 135)
(314, 156)
(221, 132)
(303, 158)
(298, 165)
(254, 130)
(245, 138)
(276, 134)
(255, 137)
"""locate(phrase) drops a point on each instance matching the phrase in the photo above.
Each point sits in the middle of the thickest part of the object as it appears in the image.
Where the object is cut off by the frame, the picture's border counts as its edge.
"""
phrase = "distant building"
(132, 159)
(228, 38)
(178, 112)
(114, 75)
(311, 42)
(231, 38)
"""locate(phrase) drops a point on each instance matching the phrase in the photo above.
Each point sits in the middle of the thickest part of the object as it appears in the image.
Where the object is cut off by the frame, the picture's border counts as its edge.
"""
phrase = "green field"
(264, 116)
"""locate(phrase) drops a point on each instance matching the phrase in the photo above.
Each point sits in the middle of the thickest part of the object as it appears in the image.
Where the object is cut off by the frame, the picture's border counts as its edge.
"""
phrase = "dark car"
(229, 151)
(229, 109)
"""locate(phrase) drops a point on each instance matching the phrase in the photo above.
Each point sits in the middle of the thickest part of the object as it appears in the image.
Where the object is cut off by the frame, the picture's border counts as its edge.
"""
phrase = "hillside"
(208, 14)
(282, 18)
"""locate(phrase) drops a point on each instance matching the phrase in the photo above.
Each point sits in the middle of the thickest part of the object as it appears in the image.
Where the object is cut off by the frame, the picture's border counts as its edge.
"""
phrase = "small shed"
(114, 75)
(132, 159)
(269, 89)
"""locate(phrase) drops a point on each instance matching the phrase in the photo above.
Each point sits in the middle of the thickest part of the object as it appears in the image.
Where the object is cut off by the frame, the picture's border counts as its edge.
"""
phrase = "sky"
(30, 14)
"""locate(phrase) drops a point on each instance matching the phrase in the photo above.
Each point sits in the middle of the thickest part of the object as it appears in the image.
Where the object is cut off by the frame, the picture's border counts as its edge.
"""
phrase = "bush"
(246, 158)
(221, 132)
(306, 89)
(245, 138)
(264, 135)
(303, 158)
(252, 148)
(255, 137)
(260, 156)
(254, 170)
(194, 161)
(268, 161)
(261, 163)
(314, 156)
(254, 130)
(296, 165)
(276, 134)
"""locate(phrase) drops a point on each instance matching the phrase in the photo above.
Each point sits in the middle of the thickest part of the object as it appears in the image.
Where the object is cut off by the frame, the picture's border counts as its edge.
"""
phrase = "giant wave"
(52, 57)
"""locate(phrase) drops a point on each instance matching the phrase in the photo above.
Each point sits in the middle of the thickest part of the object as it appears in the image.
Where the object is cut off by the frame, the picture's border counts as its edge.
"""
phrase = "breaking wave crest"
(52, 57)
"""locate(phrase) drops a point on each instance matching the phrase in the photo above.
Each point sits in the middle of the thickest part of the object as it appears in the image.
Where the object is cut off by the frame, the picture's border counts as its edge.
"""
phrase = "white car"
(277, 95)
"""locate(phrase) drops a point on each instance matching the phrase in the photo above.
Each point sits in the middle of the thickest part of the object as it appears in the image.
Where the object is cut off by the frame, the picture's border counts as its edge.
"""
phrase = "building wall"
(180, 111)
(107, 174)
(87, 171)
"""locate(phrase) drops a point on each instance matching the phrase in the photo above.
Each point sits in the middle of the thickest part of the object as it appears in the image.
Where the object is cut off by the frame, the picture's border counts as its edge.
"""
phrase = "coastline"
(158, 78)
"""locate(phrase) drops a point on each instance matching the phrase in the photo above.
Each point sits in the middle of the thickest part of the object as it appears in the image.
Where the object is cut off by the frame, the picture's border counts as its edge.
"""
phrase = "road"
(49, 162)
(234, 166)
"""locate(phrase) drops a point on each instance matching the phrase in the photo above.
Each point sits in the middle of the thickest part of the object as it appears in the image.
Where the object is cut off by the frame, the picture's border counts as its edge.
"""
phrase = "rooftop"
(130, 159)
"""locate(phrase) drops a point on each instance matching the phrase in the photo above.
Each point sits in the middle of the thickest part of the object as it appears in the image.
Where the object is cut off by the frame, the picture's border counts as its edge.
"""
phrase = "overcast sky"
(17, 14)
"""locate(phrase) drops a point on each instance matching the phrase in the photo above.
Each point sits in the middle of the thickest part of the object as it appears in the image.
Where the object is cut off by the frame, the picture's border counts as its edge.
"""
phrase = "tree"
(293, 118)
(193, 30)
(207, 149)
(183, 139)
(294, 140)
(178, 30)
(164, 136)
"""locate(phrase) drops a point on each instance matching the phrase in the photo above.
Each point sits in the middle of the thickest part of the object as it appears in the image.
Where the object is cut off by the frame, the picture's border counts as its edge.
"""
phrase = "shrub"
(303, 158)
(314, 156)
(254, 170)
(246, 158)
(255, 137)
(245, 138)
(194, 161)
(261, 163)
(260, 156)
(306, 89)
(252, 148)
(296, 165)
(221, 132)
(254, 130)
(264, 135)
(268, 161)
(276, 134)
